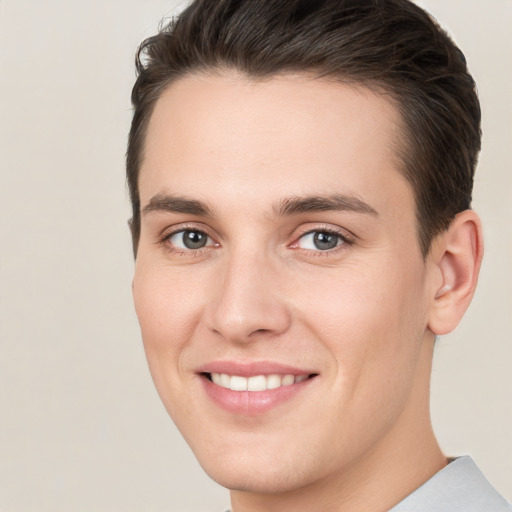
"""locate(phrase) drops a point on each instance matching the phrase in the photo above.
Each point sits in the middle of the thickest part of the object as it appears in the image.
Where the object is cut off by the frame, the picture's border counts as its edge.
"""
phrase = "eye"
(320, 241)
(189, 239)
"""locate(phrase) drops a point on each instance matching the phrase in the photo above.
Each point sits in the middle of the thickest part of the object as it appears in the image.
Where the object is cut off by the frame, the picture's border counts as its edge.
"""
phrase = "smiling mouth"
(256, 382)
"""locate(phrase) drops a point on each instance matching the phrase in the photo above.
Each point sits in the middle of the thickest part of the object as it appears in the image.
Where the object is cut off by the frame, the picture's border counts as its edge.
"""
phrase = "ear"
(456, 256)
(135, 241)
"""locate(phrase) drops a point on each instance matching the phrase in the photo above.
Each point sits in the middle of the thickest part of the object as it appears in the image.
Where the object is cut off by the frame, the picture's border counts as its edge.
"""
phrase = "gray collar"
(460, 486)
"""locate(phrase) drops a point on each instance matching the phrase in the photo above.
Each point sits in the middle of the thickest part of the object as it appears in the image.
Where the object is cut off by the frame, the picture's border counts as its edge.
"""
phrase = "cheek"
(167, 306)
(374, 334)
(370, 320)
(361, 299)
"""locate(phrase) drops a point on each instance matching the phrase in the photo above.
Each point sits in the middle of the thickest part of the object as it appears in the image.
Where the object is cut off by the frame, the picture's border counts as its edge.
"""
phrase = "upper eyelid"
(177, 228)
(328, 228)
(342, 238)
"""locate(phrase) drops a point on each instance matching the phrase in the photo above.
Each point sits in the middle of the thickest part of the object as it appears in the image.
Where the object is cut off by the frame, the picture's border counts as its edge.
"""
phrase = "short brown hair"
(390, 46)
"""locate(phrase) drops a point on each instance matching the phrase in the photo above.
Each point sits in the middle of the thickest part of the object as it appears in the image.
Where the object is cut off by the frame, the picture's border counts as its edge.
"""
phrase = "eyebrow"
(176, 204)
(288, 206)
(333, 202)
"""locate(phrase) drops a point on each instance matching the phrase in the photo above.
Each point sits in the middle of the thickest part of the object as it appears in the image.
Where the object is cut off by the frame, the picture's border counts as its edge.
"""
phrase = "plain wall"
(81, 427)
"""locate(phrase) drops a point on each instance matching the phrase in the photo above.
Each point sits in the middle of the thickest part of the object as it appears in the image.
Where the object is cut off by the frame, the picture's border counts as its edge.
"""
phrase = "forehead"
(220, 136)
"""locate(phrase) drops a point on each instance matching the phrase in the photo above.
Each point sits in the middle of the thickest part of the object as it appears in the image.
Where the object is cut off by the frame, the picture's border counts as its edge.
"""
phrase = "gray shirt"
(459, 487)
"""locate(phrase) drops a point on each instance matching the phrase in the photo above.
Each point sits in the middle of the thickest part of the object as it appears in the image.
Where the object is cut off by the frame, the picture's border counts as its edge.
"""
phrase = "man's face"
(279, 252)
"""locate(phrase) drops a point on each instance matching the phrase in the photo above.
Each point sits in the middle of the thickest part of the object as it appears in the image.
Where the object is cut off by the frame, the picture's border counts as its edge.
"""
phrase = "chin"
(254, 480)
(261, 470)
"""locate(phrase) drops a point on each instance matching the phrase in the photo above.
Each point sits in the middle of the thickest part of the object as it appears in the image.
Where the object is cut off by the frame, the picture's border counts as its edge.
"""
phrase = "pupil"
(325, 241)
(194, 239)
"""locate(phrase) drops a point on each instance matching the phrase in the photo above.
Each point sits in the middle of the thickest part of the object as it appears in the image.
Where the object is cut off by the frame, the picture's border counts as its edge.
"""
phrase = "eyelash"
(164, 241)
(344, 240)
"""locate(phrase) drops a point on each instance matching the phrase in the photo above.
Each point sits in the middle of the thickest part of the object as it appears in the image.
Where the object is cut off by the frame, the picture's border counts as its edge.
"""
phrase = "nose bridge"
(247, 300)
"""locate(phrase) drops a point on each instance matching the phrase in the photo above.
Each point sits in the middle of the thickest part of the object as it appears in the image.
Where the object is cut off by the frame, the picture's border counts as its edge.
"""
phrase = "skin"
(362, 315)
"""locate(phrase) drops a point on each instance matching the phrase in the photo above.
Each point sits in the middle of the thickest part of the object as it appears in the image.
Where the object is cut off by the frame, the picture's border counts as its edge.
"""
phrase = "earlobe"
(457, 255)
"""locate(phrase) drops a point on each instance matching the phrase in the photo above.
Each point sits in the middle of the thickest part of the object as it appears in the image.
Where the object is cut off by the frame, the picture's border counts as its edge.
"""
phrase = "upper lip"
(251, 368)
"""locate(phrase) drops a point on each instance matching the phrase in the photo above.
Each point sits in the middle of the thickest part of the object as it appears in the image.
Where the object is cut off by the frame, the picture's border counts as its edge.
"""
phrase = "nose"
(247, 303)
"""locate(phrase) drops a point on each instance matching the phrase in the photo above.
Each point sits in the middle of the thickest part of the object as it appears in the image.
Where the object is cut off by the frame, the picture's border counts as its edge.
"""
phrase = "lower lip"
(250, 403)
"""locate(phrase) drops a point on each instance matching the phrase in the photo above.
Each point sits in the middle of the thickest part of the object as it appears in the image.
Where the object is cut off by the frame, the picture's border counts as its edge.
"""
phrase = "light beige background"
(81, 427)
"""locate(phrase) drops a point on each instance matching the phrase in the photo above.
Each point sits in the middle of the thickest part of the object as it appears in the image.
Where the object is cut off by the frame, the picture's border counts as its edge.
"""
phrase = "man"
(301, 177)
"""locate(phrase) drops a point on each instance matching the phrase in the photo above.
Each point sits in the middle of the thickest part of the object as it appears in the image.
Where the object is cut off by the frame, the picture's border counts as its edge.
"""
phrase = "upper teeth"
(255, 383)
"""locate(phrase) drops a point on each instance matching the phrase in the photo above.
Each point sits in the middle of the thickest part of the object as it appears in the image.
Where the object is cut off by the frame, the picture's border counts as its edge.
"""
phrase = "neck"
(402, 461)
(370, 485)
